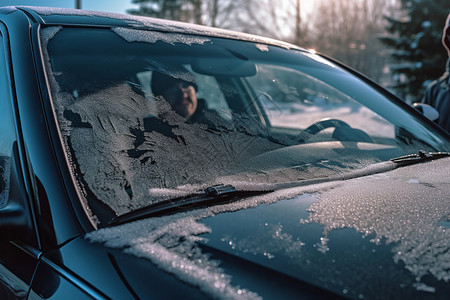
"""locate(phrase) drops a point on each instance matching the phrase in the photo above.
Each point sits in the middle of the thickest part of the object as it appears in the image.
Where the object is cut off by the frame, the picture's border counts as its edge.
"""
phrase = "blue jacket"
(438, 96)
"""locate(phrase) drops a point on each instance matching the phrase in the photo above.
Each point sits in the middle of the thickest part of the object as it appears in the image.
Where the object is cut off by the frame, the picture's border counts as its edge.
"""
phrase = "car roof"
(69, 16)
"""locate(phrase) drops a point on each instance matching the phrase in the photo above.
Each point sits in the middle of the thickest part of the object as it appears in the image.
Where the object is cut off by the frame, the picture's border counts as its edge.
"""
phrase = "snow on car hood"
(374, 236)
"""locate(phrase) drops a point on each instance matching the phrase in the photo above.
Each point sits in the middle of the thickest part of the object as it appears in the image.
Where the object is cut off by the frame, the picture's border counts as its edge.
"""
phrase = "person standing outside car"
(437, 93)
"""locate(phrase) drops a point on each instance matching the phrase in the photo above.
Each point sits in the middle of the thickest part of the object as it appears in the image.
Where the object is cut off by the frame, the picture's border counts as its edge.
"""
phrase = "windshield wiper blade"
(421, 156)
(218, 194)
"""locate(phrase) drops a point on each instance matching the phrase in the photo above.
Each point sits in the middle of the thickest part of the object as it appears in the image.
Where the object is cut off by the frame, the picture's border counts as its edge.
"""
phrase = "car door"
(17, 261)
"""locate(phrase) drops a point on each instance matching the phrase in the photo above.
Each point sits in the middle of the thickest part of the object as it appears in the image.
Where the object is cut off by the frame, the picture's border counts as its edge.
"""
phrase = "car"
(144, 158)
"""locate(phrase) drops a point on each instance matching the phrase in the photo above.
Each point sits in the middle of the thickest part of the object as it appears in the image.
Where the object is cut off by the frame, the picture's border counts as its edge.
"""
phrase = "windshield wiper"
(218, 194)
(421, 156)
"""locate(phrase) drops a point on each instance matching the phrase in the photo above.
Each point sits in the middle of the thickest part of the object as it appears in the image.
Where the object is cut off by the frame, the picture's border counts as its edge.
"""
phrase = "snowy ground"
(298, 115)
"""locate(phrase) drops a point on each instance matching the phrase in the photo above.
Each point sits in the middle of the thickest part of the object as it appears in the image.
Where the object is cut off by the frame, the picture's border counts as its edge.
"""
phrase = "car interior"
(270, 117)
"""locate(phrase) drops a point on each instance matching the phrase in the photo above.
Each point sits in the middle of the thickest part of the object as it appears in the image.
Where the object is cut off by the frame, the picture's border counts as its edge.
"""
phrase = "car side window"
(293, 99)
(7, 132)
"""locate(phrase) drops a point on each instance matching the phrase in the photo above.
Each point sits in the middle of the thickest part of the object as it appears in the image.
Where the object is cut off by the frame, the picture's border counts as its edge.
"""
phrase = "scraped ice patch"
(410, 222)
(135, 35)
(169, 242)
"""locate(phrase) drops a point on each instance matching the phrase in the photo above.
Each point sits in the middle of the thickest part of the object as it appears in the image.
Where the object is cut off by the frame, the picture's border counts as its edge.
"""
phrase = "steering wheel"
(342, 132)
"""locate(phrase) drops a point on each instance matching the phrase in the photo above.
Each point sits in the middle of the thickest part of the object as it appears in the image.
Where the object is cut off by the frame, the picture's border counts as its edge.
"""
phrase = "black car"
(144, 158)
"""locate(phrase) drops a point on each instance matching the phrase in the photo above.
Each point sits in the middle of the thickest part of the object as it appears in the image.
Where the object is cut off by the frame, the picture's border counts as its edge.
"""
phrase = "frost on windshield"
(100, 137)
(129, 145)
(121, 162)
(123, 143)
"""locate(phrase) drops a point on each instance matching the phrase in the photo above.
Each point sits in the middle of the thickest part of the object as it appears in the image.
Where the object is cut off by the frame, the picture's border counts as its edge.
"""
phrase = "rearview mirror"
(427, 110)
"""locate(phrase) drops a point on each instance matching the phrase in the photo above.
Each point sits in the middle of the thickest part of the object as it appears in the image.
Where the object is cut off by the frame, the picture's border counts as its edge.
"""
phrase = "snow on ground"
(301, 116)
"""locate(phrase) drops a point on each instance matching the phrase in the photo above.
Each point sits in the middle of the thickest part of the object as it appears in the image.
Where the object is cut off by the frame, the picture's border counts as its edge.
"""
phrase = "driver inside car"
(179, 89)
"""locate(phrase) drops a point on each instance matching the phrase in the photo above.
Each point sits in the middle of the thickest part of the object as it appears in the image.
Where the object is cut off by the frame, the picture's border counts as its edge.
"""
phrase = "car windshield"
(250, 115)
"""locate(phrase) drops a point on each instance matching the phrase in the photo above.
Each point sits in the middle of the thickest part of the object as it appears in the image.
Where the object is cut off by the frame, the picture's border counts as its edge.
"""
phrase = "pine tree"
(416, 47)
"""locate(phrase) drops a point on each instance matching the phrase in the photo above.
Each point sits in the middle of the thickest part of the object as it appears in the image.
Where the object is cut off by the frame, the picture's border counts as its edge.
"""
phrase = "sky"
(117, 6)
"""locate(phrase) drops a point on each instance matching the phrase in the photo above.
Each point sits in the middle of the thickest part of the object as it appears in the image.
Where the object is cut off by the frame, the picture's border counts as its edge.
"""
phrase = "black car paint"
(37, 255)
(47, 251)
(344, 249)
(39, 182)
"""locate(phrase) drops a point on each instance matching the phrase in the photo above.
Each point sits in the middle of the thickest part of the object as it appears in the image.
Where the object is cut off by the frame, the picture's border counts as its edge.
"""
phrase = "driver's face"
(183, 98)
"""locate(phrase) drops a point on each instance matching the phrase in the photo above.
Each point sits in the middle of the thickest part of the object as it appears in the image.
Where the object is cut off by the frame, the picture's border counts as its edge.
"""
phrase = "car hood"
(376, 236)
